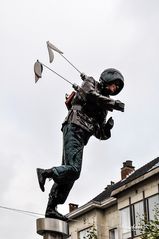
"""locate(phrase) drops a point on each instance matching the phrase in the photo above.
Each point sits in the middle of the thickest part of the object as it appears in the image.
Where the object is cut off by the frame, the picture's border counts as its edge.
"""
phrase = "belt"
(77, 107)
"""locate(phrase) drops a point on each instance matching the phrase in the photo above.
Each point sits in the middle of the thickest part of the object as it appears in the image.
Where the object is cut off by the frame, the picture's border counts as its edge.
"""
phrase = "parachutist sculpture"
(87, 113)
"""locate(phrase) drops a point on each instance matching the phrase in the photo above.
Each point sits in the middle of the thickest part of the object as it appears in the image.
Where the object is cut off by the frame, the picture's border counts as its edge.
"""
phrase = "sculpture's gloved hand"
(119, 105)
(76, 87)
(110, 123)
(83, 76)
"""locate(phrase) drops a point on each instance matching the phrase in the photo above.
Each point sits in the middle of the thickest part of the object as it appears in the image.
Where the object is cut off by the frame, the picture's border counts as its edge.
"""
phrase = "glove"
(119, 105)
(103, 132)
(110, 123)
(76, 87)
(83, 76)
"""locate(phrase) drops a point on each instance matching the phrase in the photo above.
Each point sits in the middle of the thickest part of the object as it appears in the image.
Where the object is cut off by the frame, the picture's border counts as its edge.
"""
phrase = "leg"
(67, 173)
(58, 195)
(74, 138)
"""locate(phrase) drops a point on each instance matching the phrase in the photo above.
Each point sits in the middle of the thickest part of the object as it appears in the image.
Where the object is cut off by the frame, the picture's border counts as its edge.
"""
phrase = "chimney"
(127, 169)
(72, 207)
(109, 185)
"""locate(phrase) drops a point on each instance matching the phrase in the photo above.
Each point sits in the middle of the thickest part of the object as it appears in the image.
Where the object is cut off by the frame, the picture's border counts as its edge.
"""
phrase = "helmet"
(110, 76)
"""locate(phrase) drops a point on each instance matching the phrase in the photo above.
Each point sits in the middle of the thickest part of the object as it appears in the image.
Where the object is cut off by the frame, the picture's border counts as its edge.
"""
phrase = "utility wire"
(35, 214)
(30, 213)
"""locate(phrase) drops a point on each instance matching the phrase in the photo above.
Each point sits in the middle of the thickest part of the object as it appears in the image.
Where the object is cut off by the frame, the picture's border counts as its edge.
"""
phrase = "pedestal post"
(51, 228)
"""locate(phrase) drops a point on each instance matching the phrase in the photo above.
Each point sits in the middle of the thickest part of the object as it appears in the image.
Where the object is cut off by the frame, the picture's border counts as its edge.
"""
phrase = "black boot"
(51, 210)
(43, 174)
(53, 213)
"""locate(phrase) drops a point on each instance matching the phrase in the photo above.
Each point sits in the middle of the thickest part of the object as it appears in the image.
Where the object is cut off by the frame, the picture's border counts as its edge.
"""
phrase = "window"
(125, 223)
(84, 233)
(138, 214)
(113, 234)
(131, 216)
(153, 202)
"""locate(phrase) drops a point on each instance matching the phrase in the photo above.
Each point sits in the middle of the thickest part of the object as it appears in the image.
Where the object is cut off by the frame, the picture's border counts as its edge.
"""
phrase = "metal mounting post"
(51, 228)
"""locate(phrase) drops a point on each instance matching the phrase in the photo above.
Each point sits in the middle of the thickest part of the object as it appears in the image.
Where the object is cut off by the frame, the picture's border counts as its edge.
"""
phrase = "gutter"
(90, 206)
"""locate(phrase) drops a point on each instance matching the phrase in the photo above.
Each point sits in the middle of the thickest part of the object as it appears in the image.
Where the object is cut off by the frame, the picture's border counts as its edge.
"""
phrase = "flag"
(38, 69)
(52, 48)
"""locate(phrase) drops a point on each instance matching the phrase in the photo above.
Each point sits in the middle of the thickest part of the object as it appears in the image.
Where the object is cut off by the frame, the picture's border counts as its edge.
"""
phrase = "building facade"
(116, 212)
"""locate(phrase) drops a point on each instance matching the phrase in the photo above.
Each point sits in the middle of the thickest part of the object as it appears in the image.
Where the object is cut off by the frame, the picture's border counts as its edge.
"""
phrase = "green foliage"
(150, 229)
(91, 233)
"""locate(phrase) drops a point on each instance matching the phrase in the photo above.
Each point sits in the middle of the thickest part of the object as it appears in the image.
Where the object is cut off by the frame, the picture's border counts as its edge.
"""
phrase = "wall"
(106, 219)
(103, 219)
(135, 194)
(82, 222)
(149, 187)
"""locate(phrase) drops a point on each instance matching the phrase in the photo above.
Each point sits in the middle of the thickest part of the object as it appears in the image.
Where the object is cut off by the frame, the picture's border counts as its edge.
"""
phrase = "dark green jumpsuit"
(86, 117)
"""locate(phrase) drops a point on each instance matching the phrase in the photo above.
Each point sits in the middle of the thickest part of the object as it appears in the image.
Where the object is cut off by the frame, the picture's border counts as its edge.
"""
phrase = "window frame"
(130, 214)
(146, 212)
(84, 229)
(148, 207)
(134, 226)
(114, 229)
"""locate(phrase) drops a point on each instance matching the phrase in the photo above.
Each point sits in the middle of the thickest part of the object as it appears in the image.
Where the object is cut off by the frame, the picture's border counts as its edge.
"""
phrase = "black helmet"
(112, 75)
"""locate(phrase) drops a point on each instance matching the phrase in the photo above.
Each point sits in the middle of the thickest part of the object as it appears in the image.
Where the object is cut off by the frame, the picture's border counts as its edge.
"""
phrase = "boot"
(43, 174)
(53, 213)
(51, 210)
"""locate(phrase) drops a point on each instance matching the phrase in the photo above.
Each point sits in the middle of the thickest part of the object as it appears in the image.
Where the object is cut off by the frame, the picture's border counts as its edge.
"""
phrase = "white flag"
(38, 68)
(52, 48)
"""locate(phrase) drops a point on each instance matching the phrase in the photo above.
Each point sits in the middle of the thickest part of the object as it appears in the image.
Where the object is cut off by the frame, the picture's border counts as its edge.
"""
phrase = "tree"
(150, 228)
(91, 233)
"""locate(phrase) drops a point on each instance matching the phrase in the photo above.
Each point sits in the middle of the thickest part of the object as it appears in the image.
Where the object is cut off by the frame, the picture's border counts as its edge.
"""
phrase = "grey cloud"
(93, 35)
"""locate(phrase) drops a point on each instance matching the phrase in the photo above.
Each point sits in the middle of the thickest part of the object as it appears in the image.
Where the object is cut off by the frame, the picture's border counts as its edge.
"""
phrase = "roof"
(106, 198)
(136, 174)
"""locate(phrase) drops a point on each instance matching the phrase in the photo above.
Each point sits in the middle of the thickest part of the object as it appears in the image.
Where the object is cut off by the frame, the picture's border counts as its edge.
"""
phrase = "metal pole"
(71, 63)
(51, 55)
(56, 73)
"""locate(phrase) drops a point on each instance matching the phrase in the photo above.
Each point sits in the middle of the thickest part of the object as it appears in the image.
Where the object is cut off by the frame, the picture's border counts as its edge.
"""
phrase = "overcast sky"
(94, 35)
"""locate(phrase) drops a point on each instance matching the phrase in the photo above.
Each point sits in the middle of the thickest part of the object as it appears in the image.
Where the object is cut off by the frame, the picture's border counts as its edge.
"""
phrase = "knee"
(61, 200)
(75, 175)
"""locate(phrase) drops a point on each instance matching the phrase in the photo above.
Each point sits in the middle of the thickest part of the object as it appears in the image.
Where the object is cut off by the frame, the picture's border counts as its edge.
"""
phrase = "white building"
(115, 213)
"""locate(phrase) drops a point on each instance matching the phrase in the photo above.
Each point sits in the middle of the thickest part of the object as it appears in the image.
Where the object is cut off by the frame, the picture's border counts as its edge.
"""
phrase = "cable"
(30, 213)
